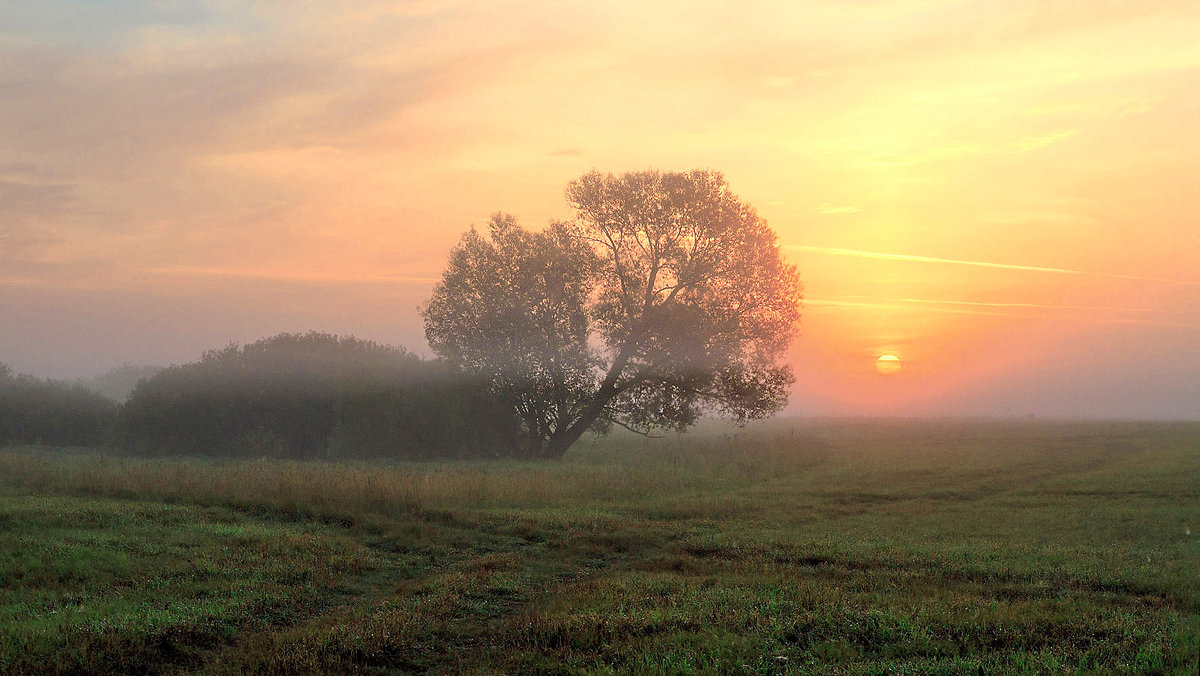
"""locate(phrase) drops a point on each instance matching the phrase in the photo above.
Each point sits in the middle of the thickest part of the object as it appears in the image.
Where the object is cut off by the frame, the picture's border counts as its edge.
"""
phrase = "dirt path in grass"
(442, 620)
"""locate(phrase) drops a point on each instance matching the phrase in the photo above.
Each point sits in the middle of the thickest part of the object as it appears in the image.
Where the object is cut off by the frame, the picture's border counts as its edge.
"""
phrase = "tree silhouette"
(666, 297)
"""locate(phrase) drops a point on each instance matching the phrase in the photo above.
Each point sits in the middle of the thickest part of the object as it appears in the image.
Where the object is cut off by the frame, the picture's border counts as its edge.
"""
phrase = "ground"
(847, 547)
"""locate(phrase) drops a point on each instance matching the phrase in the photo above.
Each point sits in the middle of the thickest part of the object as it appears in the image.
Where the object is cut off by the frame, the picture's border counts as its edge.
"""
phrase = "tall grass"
(597, 475)
(847, 458)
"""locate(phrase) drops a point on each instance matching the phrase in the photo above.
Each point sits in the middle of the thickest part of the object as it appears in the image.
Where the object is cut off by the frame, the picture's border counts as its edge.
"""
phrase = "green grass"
(834, 547)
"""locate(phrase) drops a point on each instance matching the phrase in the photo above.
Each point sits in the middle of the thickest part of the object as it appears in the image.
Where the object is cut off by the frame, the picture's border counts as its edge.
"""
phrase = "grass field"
(843, 547)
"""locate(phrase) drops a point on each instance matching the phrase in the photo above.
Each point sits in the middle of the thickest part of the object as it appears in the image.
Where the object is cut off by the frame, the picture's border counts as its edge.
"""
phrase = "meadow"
(795, 546)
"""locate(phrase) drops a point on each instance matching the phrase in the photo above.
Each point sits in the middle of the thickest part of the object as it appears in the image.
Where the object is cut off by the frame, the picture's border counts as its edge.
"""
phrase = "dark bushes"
(315, 395)
(36, 411)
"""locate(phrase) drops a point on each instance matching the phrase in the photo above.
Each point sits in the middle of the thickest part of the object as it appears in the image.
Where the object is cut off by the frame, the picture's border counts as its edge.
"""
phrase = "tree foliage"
(512, 309)
(664, 298)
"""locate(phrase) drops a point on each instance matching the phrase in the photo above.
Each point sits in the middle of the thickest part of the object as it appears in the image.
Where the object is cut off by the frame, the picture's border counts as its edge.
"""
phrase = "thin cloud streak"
(858, 253)
(900, 305)
(1037, 306)
(290, 277)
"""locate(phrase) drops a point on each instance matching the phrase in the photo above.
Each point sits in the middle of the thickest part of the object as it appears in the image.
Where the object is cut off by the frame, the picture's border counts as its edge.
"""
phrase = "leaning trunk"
(562, 440)
(559, 443)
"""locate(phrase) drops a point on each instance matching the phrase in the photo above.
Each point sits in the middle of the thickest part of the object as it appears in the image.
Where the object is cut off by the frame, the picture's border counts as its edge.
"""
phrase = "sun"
(888, 364)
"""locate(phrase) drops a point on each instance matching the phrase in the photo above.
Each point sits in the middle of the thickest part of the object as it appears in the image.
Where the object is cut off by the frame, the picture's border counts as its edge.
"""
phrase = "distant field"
(845, 547)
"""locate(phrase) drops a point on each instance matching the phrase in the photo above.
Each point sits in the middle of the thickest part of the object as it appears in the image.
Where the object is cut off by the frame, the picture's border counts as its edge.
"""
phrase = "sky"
(1003, 195)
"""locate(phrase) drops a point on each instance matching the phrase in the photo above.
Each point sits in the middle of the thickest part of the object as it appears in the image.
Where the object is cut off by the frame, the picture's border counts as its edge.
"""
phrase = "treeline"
(312, 395)
(36, 411)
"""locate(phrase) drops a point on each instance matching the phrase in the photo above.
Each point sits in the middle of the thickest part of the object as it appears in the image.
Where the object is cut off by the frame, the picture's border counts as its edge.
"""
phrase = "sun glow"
(888, 364)
(992, 194)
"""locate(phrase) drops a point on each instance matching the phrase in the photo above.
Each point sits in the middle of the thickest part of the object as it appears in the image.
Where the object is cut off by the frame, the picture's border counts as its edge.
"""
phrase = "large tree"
(665, 297)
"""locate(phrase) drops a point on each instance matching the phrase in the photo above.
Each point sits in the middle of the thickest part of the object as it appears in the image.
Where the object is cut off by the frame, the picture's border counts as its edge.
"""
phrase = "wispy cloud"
(954, 152)
(1040, 306)
(834, 209)
(858, 253)
(1000, 310)
(291, 276)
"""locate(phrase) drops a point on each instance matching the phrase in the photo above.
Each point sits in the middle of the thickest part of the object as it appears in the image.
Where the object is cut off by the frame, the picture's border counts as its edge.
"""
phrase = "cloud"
(30, 199)
(110, 122)
(858, 253)
(831, 209)
(1008, 310)
(1041, 306)
(20, 200)
(317, 277)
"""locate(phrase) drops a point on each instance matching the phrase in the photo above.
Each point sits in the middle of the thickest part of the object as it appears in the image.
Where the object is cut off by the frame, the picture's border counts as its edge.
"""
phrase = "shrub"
(314, 395)
(36, 411)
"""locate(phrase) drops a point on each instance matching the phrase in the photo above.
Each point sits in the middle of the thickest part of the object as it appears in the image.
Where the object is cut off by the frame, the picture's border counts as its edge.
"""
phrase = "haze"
(1002, 195)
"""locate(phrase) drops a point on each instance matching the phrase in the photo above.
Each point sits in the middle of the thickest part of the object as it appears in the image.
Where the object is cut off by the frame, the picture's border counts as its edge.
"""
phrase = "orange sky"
(176, 176)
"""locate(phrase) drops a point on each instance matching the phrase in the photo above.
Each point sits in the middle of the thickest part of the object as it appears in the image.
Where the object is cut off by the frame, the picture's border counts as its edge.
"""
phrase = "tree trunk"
(535, 447)
(559, 444)
(562, 440)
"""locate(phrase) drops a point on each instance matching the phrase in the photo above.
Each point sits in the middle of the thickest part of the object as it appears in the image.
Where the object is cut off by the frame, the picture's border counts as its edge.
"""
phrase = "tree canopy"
(665, 297)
